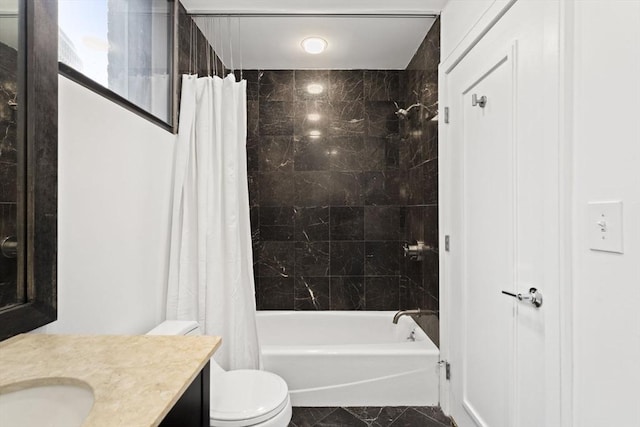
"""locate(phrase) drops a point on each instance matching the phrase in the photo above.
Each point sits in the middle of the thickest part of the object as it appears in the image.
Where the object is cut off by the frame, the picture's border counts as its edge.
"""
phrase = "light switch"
(605, 226)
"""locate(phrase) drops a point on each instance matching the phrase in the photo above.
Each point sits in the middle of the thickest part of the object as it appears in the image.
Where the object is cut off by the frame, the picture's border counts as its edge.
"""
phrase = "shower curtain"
(211, 266)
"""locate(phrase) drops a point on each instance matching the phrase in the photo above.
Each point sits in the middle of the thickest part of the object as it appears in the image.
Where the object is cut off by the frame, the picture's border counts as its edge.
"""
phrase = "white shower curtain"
(211, 266)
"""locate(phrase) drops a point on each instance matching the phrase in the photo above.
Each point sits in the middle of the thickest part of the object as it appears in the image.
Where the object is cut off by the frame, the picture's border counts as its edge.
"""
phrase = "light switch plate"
(605, 226)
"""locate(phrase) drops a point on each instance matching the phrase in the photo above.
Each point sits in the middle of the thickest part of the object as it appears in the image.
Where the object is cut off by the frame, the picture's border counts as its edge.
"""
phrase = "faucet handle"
(9, 247)
(416, 251)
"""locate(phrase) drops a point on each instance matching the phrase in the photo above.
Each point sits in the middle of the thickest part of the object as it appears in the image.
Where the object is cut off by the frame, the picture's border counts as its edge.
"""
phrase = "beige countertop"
(135, 380)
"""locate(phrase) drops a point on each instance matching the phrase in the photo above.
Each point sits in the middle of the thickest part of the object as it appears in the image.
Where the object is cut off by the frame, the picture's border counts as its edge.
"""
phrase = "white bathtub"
(350, 358)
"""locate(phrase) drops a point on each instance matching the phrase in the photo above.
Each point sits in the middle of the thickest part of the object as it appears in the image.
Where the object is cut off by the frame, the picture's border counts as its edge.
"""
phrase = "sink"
(46, 405)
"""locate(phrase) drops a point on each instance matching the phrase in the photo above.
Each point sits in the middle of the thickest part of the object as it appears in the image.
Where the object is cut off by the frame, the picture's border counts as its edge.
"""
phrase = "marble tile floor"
(370, 417)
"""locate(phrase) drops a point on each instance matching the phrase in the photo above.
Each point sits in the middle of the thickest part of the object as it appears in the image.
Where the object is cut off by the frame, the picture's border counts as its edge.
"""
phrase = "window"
(124, 46)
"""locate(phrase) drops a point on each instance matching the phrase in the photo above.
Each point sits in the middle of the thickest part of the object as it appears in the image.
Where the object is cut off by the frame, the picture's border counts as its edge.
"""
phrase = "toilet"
(240, 398)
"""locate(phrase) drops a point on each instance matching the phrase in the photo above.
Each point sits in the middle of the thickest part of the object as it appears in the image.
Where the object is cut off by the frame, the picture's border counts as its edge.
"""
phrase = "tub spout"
(416, 312)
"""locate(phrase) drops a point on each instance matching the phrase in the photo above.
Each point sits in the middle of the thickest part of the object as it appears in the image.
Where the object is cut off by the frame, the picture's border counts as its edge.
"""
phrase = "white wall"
(606, 150)
(115, 175)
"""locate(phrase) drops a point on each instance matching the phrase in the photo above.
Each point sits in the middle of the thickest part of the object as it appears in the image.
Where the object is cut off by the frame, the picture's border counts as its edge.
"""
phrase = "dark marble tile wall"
(8, 171)
(419, 161)
(328, 197)
(195, 54)
(338, 183)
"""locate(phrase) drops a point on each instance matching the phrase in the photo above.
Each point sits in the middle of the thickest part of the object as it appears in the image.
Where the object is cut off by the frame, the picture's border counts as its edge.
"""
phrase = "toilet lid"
(246, 397)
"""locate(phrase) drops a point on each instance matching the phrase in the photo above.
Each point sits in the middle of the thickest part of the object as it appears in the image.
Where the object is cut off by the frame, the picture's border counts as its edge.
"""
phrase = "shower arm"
(417, 104)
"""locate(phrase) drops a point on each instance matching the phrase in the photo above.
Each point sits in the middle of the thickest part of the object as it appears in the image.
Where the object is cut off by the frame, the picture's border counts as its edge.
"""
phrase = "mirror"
(28, 164)
(10, 293)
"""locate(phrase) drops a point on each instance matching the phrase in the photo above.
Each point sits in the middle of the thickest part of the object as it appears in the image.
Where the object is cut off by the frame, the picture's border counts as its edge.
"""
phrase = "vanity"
(134, 381)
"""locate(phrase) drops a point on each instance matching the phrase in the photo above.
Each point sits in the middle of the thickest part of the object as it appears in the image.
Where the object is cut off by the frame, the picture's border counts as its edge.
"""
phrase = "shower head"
(430, 111)
(404, 113)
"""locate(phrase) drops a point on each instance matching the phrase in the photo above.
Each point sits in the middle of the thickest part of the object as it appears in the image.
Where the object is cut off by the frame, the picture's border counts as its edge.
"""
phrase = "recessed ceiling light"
(315, 134)
(315, 88)
(313, 117)
(314, 45)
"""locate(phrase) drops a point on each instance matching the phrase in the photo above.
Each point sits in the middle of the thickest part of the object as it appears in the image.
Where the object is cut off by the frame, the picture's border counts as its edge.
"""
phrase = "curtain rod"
(311, 15)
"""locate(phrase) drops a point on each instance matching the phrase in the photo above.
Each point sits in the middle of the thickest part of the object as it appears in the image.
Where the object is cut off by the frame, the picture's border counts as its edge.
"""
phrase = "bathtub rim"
(424, 344)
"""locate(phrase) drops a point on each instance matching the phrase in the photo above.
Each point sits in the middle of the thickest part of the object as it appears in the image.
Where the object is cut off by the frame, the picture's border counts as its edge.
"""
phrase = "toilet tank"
(176, 327)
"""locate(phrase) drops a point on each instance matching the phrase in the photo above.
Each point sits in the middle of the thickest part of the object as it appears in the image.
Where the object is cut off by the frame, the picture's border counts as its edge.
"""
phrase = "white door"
(500, 157)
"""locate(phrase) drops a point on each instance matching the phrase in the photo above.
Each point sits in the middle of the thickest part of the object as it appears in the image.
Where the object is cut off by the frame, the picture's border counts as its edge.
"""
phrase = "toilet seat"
(246, 398)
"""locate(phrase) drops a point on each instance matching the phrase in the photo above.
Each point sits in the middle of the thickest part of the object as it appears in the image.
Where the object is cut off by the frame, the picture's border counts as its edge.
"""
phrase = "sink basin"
(46, 405)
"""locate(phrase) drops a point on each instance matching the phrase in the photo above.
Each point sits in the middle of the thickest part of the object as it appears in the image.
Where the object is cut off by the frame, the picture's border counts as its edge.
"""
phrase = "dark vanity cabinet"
(192, 410)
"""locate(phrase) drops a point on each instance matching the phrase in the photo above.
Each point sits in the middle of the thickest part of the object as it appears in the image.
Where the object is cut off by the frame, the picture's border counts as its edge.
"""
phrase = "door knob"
(534, 297)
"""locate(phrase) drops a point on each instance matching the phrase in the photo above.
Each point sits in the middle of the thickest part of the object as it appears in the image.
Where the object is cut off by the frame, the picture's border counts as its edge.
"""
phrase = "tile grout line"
(433, 419)
(396, 418)
(316, 423)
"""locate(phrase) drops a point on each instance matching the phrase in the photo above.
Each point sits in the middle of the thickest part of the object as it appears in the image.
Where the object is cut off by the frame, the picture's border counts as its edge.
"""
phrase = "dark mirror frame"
(37, 149)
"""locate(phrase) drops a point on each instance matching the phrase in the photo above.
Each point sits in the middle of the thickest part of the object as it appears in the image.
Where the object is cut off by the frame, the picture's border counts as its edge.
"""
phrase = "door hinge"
(447, 369)
(446, 114)
(447, 243)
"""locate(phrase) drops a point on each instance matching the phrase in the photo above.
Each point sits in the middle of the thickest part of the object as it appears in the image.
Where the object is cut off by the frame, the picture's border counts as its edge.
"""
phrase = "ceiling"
(355, 42)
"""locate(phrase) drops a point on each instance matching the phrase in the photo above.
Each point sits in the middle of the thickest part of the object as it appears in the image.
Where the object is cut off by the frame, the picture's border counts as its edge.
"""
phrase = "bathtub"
(350, 358)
